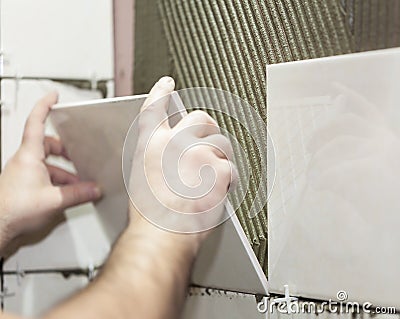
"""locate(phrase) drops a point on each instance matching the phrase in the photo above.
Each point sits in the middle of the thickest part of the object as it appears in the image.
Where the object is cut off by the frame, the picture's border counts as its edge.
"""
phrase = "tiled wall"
(48, 45)
(57, 38)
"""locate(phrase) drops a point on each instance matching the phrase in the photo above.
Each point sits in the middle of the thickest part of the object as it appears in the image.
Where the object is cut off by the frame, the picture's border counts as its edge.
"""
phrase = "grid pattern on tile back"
(294, 124)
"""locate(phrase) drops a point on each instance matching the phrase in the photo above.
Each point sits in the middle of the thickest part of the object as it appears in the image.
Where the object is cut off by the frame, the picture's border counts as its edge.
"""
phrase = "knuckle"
(224, 139)
(228, 142)
(202, 117)
(76, 194)
(225, 170)
(225, 143)
(21, 158)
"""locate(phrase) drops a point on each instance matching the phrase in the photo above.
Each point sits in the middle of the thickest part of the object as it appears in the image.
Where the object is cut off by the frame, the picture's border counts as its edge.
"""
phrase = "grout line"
(66, 272)
(228, 291)
(52, 79)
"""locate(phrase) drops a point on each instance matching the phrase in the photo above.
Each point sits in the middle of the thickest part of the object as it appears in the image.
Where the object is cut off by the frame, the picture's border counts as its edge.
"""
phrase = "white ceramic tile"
(227, 251)
(214, 304)
(93, 135)
(334, 208)
(224, 255)
(19, 97)
(80, 242)
(57, 38)
(35, 294)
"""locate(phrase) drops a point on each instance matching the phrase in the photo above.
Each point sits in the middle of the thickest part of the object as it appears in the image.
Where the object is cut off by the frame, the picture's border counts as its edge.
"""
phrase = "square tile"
(94, 136)
(67, 39)
(334, 207)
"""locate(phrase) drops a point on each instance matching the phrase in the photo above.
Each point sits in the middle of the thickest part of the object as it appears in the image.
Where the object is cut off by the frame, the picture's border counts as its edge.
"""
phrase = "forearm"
(146, 276)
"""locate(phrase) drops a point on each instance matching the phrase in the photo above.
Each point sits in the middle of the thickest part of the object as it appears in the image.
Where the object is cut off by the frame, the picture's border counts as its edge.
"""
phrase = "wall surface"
(47, 45)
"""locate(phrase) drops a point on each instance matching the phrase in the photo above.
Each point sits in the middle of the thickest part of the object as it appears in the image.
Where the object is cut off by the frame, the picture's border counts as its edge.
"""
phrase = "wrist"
(177, 243)
(144, 248)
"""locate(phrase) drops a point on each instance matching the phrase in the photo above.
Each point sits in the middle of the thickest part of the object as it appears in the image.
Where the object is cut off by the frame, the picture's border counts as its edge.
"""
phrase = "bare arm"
(148, 271)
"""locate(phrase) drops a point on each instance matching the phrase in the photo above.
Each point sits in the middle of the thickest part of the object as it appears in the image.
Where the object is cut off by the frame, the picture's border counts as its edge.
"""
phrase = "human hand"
(32, 192)
(180, 175)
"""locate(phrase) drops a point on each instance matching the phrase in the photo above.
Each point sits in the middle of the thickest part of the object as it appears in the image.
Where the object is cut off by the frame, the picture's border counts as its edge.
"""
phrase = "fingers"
(220, 145)
(53, 146)
(33, 136)
(154, 109)
(198, 123)
(75, 194)
(234, 178)
(227, 175)
(59, 176)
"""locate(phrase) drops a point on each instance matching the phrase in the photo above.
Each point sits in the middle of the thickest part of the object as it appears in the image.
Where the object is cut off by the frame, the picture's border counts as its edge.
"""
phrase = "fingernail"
(96, 191)
(166, 81)
(55, 95)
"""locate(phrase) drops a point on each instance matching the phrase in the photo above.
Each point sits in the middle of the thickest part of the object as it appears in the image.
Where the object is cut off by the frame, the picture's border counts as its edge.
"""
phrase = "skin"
(130, 284)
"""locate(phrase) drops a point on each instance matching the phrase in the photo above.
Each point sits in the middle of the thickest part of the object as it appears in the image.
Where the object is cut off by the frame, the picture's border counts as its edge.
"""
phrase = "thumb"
(76, 194)
(154, 109)
(162, 87)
